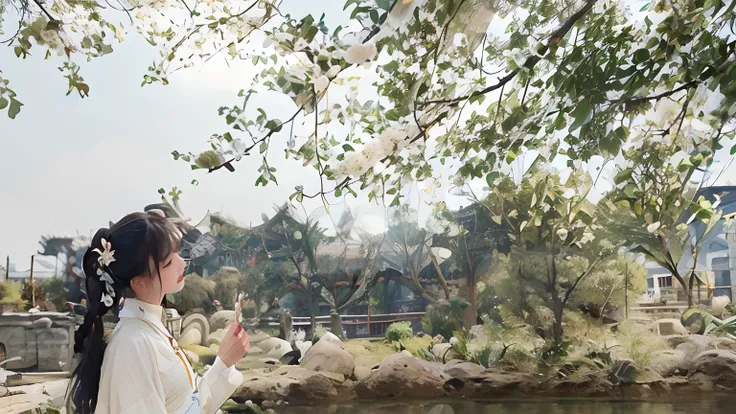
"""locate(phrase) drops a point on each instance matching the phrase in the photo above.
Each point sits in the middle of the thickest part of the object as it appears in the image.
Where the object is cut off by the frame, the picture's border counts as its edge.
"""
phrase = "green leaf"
(374, 16)
(347, 148)
(641, 55)
(4, 103)
(491, 177)
(274, 125)
(580, 115)
(14, 108)
(623, 175)
(510, 157)
(161, 191)
(263, 147)
(195, 182)
(733, 149)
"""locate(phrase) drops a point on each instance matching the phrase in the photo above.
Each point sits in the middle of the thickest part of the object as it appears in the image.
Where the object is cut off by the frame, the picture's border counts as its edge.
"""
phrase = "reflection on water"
(699, 406)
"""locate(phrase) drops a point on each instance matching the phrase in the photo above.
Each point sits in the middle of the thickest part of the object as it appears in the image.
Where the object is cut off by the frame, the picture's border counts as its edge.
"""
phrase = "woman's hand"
(234, 345)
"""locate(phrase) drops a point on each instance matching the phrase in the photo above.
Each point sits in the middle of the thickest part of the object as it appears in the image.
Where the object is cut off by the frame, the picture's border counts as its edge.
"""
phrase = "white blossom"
(321, 84)
(665, 113)
(562, 234)
(360, 53)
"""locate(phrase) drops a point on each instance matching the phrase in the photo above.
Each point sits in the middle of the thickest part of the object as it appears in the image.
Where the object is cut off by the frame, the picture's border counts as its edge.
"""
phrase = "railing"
(357, 326)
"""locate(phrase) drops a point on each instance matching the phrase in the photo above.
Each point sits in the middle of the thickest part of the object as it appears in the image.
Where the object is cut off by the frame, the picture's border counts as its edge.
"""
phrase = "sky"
(69, 165)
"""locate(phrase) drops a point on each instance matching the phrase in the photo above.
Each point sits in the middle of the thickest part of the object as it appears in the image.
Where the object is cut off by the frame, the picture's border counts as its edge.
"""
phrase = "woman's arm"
(222, 379)
(217, 385)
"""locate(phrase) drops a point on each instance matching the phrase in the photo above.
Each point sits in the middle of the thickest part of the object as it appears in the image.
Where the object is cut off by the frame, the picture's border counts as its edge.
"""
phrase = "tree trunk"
(336, 324)
(557, 303)
(557, 331)
(471, 314)
(313, 318)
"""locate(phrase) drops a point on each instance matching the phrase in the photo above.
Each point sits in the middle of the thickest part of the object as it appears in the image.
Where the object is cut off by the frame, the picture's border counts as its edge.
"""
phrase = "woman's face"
(172, 274)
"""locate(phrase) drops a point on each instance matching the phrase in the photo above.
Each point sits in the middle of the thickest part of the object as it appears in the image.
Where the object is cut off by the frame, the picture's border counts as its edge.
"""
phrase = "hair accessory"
(106, 257)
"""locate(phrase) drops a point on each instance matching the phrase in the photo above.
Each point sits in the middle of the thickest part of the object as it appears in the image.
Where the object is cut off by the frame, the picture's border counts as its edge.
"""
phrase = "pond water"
(536, 406)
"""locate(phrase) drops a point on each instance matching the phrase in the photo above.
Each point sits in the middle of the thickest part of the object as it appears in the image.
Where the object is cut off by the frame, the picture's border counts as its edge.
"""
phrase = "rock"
(257, 337)
(694, 345)
(222, 319)
(191, 336)
(582, 383)
(674, 340)
(257, 362)
(361, 372)
(470, 379)
(216, 336)
(444, 352)
(626, 373)
(206, 356)
(671, 326)
(403, 376)
(330, 337)
(255, 351)
(193, 358)
(328, 356)
(199, 321)
(713, 371)
(718, 305)
(289, 383)
(669, 363)
(720, 344)
(406, 353)
(274, 347)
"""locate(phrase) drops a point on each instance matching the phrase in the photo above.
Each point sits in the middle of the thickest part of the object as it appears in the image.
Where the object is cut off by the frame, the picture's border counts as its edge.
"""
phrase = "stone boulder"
(718, 305)
(222, 319)
(216, 336)
(251, 362)
(275, 347)
(190, 336)
(196, 320)
(288, 383)
(470, 379)
(669, 363)
(626, 373)
(713, 371)
(257, 337)
(330, 337)
(206, 355)
(444, 352)
(330, 357)
(404, 376)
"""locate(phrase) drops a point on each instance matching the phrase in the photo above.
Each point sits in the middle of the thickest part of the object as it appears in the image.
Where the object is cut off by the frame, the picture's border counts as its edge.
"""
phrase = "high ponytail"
(114, 258)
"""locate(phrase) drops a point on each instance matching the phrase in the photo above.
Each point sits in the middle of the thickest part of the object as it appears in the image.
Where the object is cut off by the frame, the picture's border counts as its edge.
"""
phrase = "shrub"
(227, 286)
(398, 331)
(445, 318)
(10, 297)
(28, 293)
(54, 289)
(198, 293)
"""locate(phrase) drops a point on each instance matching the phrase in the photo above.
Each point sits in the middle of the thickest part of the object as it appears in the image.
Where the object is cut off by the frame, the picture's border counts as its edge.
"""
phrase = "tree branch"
(532, 61)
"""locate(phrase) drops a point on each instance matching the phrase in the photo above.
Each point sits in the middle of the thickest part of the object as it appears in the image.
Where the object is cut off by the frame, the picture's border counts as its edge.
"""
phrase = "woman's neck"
(152, 298)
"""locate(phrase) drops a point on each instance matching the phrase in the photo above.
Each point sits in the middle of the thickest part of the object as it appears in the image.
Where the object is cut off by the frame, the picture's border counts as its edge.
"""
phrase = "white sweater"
(144, 371)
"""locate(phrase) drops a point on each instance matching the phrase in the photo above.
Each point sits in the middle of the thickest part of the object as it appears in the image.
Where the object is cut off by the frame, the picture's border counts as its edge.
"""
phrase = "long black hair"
(138, 240)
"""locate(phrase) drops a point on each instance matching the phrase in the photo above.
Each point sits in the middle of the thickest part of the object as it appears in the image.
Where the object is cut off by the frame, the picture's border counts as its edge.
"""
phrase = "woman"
(142, 370)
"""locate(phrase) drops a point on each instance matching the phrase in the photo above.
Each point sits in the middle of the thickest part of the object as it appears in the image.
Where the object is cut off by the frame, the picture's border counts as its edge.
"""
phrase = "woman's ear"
(140, 284)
